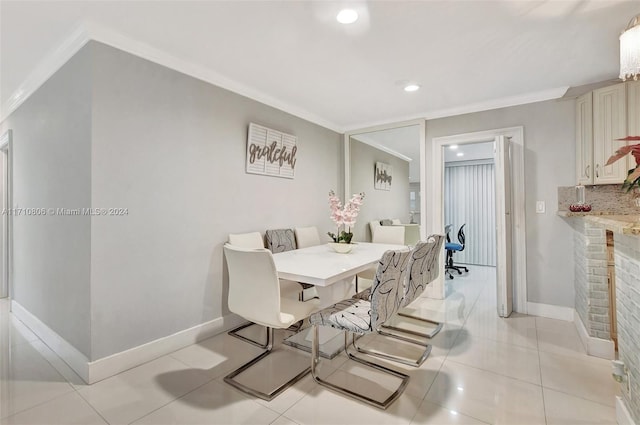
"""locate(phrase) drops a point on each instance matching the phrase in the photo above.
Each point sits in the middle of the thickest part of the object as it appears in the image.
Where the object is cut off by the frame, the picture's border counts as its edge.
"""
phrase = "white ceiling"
(467, 55)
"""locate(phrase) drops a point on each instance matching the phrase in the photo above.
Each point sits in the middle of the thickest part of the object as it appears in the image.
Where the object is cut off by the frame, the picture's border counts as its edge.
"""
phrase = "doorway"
(507, 183)
(6, 218)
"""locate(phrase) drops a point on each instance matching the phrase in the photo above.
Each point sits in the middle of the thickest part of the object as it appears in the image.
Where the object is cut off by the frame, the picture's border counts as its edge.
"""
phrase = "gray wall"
(171, 149)
(378, 204)
(52, 169)
(549, 141)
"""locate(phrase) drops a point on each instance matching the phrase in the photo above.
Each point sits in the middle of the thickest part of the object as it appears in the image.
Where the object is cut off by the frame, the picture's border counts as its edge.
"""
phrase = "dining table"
(332, 274)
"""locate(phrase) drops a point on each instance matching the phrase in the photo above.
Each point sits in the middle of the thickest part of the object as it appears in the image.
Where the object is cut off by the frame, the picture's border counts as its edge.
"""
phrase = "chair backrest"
(447, 230)
(247, 240)
(307, 236)
(424, 267)
(388, 286)
(395, 221)
(389, 234)
(254, 289)
(373, 226)
(280, 240)
(461, 237)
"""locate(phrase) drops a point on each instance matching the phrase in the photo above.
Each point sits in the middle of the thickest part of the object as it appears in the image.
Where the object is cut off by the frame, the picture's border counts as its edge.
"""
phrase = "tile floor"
(483, 369)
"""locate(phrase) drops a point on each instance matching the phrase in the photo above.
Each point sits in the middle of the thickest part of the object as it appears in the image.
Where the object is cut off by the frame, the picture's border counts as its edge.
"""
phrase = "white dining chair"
(307, 236)
(395, 221)
(288, 288)
(254, 293)
(393, 235)
(373, 226)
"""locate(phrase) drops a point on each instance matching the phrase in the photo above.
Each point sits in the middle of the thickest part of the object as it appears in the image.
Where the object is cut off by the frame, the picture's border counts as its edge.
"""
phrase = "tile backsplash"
(604, 199)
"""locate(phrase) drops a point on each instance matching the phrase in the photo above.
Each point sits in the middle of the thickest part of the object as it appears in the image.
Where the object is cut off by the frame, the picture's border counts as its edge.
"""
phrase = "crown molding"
(368, 141)
(50, 63)
(503, 102)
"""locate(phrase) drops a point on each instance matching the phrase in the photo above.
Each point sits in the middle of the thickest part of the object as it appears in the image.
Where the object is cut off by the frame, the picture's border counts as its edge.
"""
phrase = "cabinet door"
(633, 115)
(609, 124)
(584, 139)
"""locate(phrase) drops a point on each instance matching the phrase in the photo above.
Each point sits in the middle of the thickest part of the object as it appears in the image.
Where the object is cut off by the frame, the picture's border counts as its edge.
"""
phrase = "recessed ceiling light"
(411, 87)
(347, 16)
(453, 147)
(459, 154)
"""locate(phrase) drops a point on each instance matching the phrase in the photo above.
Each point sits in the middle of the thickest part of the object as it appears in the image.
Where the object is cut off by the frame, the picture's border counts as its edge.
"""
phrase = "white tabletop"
(322, 266)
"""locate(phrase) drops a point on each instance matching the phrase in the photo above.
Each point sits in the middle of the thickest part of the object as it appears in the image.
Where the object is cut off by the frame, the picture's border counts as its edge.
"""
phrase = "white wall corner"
(596, 347)
(67, 352)
(550, 311)
(623, 417)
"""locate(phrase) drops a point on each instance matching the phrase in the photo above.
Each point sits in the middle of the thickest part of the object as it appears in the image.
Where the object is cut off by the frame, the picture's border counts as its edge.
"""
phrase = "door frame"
(435, 199)
(6, 146)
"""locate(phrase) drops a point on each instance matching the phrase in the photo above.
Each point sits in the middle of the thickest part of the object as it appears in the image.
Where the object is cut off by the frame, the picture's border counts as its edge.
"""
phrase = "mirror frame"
(423, 134)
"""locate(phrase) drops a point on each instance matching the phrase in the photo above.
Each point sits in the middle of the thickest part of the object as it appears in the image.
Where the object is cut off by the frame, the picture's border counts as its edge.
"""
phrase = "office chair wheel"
(459, 272)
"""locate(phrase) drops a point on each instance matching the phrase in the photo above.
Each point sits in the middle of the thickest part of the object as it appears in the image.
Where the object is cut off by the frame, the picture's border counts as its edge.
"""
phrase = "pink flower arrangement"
(633, 177)
(344, 216)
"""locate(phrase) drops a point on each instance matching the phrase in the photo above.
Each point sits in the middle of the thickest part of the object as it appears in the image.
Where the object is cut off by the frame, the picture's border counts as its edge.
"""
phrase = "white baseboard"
(112, 365)
(623, 417)
(100, 369)
(597, 347)
(550, 311)
(67, 352)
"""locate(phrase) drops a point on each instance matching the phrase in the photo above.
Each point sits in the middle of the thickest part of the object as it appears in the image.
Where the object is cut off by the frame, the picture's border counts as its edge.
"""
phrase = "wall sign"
(382, 176)
(271, 152)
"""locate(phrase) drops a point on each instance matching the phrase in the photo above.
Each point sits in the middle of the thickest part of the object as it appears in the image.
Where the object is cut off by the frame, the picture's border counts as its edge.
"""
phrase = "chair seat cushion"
(351, 315)
(292, 311)
(450, 246)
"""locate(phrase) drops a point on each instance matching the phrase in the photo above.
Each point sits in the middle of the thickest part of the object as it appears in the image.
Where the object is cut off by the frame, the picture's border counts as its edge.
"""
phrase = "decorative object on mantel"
(271, 152)
(633, 177)
(605, 199)
(345, 218)
(630, 50)
(382, 178)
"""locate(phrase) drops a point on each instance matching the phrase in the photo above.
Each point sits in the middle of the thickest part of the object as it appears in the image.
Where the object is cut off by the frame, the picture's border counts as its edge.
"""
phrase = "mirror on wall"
(385, 165)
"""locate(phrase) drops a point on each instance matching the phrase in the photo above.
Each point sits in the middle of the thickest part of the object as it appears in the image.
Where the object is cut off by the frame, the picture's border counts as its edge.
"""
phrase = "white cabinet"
(633, 111)
(584, 139)
(601, 118)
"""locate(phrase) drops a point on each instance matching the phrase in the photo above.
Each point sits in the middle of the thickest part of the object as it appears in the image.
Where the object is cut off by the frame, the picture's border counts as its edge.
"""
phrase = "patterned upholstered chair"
(358, 317)
(283, 240)
(423, 268)
(419, 278)
(254, 293)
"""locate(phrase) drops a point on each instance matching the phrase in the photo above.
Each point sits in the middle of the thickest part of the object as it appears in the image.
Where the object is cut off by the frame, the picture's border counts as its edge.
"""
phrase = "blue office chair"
(452, 247)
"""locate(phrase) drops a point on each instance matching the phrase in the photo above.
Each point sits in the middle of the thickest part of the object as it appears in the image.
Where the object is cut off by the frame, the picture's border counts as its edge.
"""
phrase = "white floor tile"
(69, 409)
(487, 396)
(130, 395)
(505, 359)
(27, 379)
(564, 409)
(217, 356)
(586, 378)
(325, 407)
(212, 403)
(430, 413)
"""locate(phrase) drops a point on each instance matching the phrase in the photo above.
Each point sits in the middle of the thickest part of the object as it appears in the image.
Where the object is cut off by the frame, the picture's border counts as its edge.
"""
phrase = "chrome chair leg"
(234, 333)
(429, 335)
(315, 359)
(229, 379)
(404, 360)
